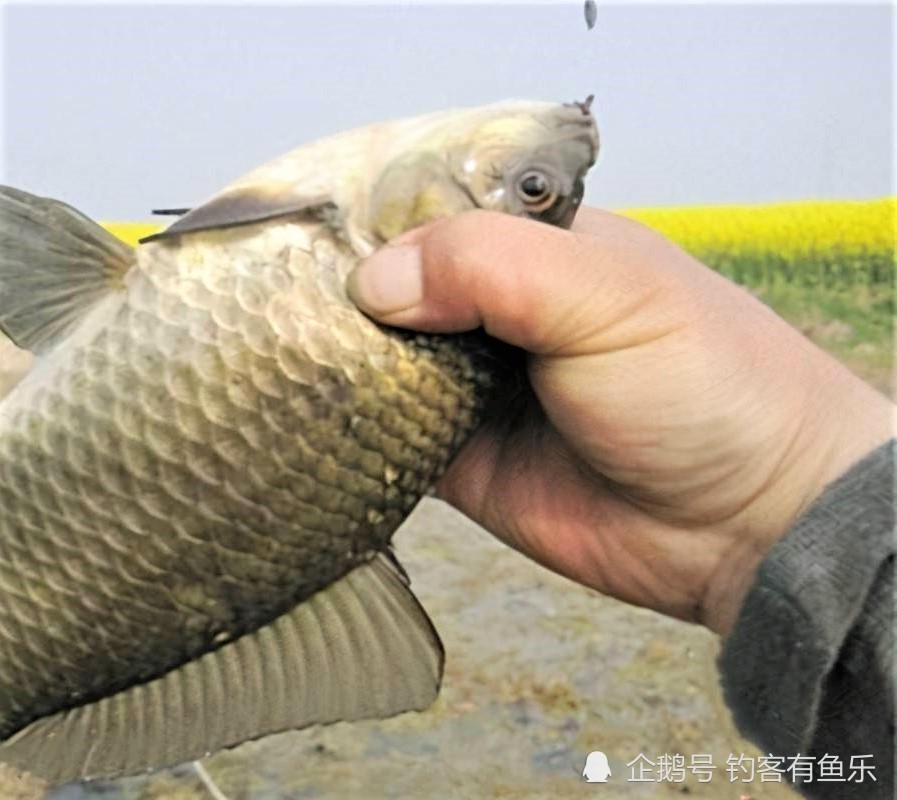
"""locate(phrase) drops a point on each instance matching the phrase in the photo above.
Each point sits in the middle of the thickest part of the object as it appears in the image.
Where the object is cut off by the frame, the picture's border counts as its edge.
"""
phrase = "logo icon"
(596, 769)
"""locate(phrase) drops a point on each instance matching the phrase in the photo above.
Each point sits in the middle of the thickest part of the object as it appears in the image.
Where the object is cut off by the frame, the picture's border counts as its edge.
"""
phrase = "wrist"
(843, 420)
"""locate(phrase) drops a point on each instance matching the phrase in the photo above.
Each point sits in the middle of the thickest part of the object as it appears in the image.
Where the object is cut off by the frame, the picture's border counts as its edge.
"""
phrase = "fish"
(203, 467)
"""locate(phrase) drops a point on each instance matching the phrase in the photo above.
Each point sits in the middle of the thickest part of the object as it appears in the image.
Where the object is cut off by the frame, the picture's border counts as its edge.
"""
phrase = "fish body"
(214, 446)
(201, 473)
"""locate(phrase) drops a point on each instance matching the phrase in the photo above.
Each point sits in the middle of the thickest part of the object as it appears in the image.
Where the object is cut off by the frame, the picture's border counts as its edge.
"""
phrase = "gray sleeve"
(809, 666)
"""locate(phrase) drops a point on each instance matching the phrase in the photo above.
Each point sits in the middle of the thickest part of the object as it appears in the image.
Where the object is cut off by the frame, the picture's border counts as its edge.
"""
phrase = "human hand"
(683, 426)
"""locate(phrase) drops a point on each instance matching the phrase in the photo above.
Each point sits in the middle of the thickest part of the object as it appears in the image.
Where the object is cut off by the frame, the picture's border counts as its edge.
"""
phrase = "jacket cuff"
(803, 622)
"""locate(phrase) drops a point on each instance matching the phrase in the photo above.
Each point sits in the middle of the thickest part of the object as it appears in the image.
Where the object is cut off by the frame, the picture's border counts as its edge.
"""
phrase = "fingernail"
(389, 281)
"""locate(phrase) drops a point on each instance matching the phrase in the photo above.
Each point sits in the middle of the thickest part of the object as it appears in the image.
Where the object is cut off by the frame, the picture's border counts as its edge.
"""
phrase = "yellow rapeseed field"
(787, 228)
(131, 232)
(830, 244)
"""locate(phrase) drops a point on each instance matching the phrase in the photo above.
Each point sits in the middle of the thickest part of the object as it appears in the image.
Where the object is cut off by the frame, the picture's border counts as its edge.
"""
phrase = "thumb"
(541, 288)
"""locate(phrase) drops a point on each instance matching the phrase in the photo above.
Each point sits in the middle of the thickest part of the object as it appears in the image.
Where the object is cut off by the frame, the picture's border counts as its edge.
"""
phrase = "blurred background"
(118, 109)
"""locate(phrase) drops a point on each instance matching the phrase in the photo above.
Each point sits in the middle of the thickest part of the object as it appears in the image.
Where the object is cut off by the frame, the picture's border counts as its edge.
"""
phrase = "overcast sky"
(118, 109)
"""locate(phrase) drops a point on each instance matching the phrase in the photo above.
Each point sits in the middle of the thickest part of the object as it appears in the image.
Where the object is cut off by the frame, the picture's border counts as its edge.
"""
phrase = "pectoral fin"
(361, 648)
(241, 207)
(413, 190)
(55, 264)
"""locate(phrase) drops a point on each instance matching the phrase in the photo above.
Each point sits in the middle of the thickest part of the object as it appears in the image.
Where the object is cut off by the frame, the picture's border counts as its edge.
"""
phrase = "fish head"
(523, 158)
(529, 160)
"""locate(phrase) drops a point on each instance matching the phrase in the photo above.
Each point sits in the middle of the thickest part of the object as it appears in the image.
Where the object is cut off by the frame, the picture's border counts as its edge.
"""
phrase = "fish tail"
(55, 263)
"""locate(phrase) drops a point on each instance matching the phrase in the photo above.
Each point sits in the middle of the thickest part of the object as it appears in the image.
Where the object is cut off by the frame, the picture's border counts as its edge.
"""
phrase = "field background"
(541, 671)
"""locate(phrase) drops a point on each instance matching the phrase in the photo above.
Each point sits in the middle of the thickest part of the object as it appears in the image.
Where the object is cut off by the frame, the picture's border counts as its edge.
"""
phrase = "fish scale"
(250, 534)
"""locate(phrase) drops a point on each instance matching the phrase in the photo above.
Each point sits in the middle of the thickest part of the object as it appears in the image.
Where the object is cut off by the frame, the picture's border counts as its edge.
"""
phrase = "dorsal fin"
(55, 264)
(242, 206)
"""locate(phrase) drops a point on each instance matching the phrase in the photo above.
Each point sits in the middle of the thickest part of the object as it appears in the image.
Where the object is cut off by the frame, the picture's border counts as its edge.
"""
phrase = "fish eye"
(536, 189)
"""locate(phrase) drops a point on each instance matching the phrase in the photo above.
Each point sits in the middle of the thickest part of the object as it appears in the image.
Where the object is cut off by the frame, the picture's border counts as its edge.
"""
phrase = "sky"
(118, 109)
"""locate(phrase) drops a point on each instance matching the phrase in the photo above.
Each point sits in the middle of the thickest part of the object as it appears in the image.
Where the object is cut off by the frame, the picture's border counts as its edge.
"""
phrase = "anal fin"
(361, 648)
